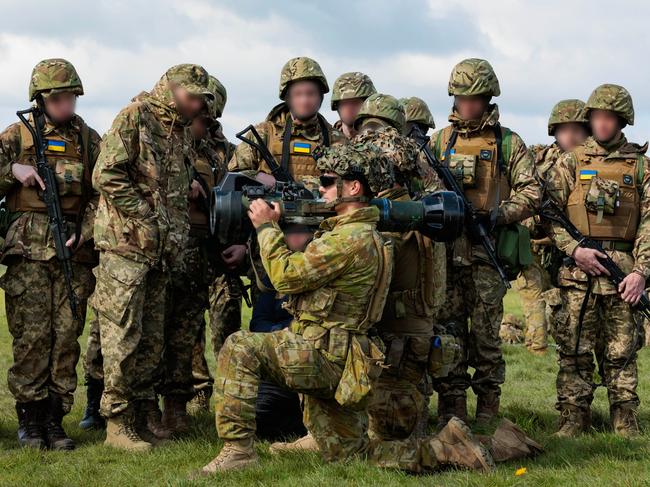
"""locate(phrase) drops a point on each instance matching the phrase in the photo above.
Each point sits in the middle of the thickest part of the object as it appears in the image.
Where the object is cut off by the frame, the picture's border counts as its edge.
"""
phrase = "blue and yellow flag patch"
(56, 145)
(586, 174)
(302, 147)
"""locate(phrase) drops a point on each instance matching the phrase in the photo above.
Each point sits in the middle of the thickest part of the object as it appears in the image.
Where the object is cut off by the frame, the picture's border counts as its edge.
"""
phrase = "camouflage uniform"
(475, 291)
(401, 397)
(511, 331)
(141, 229)
(348, 86)
(45, 334)
(534, 280)
(608, 327)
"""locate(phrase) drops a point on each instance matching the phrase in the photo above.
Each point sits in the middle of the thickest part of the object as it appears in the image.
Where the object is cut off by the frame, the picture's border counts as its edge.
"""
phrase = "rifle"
(278, 172)
(551, 211)
(58, 224)
(475, 224)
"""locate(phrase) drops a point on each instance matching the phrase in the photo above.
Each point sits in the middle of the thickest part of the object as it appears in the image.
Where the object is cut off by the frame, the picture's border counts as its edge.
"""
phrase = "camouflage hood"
(489, 119)
(161, 100)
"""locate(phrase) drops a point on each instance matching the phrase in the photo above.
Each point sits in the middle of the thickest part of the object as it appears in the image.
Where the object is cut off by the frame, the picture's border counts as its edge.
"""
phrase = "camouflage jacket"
(143, 177)
(29, 234)
(525, 194)
(331, 281)
(248, 159)
(561, 183)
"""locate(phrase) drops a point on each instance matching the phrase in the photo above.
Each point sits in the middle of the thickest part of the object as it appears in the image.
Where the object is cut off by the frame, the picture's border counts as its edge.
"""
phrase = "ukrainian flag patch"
(586, 174)
(56, 145)
(302, 147)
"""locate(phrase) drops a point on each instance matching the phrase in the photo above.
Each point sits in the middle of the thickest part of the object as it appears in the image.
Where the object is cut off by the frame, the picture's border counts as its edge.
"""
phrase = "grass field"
(598, 459)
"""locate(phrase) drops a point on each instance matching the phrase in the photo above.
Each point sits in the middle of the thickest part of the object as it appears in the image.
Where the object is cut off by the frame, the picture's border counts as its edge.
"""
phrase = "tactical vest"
(71, 163)
(479, 162)
(294, 153)
(198, 215)
(624, 169)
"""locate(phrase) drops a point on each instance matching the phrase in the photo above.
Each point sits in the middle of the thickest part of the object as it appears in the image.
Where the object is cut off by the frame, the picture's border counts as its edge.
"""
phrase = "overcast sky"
(542, 51)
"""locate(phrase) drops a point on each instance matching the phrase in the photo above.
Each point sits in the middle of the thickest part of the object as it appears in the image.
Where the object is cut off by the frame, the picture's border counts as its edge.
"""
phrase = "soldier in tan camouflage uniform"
(604, 184)
(143, 176)
(567, 124)
(45, 334)
(498, 178)
(348, 94)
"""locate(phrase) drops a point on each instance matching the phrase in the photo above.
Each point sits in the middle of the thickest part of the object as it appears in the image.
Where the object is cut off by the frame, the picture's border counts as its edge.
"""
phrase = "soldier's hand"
(233, 256)
(196, 189)
(632, 287)
(265, 179)
(71, 241)
(587, 260)
(27, 175)
(260, 212)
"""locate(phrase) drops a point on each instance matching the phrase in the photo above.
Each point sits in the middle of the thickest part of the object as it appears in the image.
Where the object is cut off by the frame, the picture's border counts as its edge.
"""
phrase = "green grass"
(598, 459)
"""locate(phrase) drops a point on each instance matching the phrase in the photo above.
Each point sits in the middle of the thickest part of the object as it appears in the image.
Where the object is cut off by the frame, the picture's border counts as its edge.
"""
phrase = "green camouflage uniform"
(45, 334)
(474, 290)
(608, 327)
(141, 229)
(353, 85)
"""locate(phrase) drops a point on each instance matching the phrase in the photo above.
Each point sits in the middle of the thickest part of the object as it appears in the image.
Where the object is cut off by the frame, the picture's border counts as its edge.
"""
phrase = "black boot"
(92, 419)
(57, 439)
(31, 424)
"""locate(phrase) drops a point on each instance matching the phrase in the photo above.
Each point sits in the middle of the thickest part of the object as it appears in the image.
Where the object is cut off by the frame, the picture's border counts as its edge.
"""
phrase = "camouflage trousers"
(188, 302)
(45, 335)
(130, 299)
(608, 333)
(531, 284)
(225, 319)
(93, 361)
(473, 315)
(398, 401)
(293, 362)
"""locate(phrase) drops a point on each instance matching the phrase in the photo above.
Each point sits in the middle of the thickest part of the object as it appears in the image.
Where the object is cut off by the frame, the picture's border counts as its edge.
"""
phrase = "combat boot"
(152, 418)
(121, 433)
(31, 424)
(509, 442)
(487, 407)
(573, 421)
(235, 455)
(456, 446)
(57, 439)
(174, 416)
(306, 443)
(200, 403)
(624, 420)
(92, 419)
(451, 406)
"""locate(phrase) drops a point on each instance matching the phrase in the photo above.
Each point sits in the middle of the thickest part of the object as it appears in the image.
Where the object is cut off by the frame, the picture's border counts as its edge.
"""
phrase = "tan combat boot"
(487, 407)
(121, 433)
(306, 443)
(174, 416)
(200, 403)
(449, 407)
(573, 421)
(624, 420)
(235, 455)
(509, 442)
(152, 419)
(456, 446)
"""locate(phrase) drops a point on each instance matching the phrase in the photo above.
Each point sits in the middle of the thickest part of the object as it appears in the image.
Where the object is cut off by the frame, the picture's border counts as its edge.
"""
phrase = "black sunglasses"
(327, 181)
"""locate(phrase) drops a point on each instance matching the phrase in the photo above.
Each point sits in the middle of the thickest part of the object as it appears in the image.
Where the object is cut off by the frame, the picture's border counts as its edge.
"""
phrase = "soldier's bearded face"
(199, 128)
(187, 104)
(60, 107)
(348, 110)
(570, 135)
(304, 99)
(605, 124)
(471, 107)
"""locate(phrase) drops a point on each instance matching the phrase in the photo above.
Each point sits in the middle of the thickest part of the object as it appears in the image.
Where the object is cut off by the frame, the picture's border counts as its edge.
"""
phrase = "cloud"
(542, 52)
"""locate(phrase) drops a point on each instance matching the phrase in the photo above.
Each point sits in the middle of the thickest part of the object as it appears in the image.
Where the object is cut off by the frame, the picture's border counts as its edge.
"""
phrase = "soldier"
(336, 291)
(604, 184)
(417, 113)
(567, 124)
(349, 92)
(45, 334)
(498, 179)
(142, 225)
